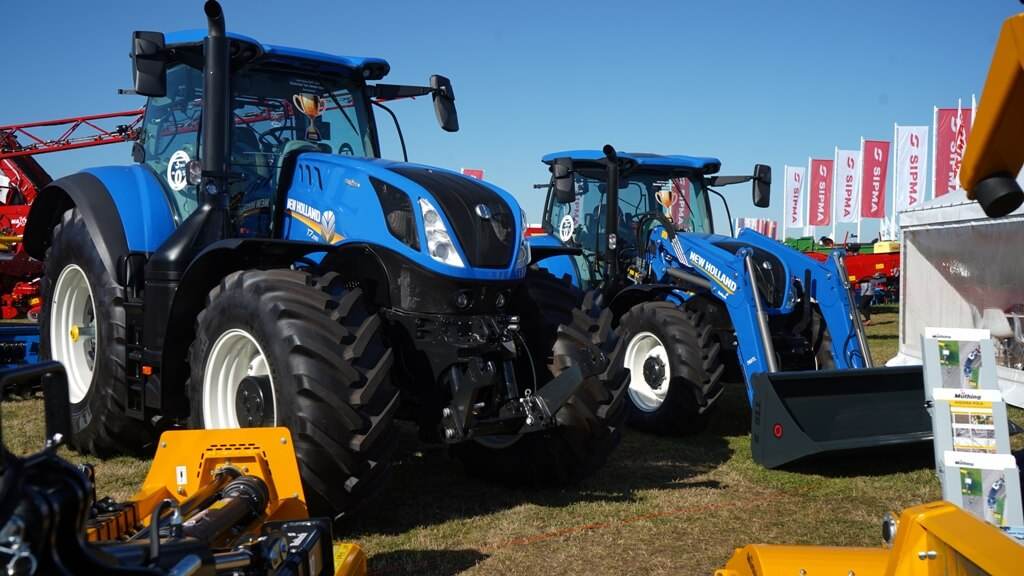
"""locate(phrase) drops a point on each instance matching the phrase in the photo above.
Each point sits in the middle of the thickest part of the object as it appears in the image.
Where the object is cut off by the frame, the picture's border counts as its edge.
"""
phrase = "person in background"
(826, 241)
(867, 294)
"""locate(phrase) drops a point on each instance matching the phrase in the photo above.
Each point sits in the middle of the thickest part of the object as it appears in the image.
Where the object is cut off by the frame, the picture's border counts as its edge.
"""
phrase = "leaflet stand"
(972, 440)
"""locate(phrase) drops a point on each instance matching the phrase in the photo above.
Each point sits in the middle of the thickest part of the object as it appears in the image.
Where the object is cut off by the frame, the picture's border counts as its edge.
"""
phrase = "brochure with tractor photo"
(969, 420)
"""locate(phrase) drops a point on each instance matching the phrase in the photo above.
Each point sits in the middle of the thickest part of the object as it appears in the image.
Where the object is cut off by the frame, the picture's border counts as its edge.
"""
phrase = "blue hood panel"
(333, 200)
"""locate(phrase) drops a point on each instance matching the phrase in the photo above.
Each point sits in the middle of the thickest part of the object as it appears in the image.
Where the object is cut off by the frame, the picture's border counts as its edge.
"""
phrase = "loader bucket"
(797, 414)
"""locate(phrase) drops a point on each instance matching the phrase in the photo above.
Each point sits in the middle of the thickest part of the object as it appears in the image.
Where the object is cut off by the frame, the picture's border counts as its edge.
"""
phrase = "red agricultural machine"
(21, 177)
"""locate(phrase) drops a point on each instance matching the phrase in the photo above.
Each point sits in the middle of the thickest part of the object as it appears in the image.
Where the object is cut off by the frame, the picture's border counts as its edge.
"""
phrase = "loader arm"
(733, 285)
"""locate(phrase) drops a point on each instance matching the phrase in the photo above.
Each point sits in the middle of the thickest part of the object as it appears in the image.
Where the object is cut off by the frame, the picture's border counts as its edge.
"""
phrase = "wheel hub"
(654, 372)
(250, 402)
(73, 336)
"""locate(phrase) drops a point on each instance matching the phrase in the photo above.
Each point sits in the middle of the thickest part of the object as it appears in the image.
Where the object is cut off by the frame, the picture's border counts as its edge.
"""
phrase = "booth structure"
(961, 269)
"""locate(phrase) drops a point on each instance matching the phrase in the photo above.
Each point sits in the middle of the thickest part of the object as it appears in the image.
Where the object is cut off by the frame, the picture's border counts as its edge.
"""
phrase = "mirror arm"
(398, 127)
(728, 213)
(728, 180)
(397, 91)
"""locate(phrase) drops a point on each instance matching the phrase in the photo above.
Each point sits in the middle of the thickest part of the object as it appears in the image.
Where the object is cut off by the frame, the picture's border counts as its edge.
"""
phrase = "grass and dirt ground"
(660, 505)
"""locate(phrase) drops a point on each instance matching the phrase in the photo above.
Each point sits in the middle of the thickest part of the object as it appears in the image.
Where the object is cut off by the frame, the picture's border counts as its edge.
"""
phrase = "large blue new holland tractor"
(259, 265)
(695, 307)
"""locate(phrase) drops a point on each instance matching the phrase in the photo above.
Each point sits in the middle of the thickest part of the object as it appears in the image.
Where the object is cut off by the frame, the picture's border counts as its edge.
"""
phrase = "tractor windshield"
(280, 110)
(681, 198)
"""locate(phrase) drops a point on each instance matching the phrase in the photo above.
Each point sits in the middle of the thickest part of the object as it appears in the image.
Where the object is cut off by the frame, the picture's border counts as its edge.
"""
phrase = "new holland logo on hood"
(720, 278)
(321, 223)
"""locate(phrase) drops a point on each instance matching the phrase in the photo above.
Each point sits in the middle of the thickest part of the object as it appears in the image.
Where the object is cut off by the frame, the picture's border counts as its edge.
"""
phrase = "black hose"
(154, 519)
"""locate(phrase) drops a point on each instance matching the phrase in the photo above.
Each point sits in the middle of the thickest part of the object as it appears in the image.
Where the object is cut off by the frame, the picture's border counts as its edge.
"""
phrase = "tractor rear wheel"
(81, 325)
(285, 348)
(561, 328)
(675, 367)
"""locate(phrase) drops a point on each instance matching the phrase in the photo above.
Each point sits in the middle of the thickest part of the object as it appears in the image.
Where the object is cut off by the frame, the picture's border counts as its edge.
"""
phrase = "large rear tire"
(675, 367)
(284, 348)
(561, 328)
(82, 326)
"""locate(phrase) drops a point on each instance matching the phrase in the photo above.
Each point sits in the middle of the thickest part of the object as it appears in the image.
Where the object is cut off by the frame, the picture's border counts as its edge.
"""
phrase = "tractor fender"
(633, 295)
(125, 207)
(204, 272)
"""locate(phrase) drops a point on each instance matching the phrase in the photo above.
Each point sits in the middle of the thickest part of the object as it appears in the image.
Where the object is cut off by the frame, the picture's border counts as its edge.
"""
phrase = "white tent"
(961, 269)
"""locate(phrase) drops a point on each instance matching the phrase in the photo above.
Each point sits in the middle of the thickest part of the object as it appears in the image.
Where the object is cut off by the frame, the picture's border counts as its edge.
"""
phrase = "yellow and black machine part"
(934, 539)
(213, 502)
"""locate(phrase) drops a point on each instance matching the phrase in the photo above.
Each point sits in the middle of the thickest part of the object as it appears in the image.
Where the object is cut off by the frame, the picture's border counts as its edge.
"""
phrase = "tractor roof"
(702, 164)
(369, 68)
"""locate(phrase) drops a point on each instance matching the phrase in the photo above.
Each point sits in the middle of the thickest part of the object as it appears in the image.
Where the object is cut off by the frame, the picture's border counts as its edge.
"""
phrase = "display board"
(972, 440)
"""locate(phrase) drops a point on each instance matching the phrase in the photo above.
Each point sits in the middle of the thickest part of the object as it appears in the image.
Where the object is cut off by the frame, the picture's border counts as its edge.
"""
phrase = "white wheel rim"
(234, 355)
(642, 348)
(74, 341)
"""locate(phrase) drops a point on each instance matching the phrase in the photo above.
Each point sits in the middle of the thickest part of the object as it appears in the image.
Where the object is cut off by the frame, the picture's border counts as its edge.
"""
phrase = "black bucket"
(797, 414)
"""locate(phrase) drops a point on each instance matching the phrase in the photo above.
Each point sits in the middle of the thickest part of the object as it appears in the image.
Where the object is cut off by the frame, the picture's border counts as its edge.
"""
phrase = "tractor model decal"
(712, 271)
(321, 225)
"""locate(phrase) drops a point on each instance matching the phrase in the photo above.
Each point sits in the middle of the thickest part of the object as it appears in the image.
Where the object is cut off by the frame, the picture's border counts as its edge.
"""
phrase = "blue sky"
(748, 82)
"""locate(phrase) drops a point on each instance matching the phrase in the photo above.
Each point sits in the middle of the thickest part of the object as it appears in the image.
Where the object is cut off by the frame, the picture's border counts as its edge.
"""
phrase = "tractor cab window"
(169, 136)
(279, 111)
(582, 223)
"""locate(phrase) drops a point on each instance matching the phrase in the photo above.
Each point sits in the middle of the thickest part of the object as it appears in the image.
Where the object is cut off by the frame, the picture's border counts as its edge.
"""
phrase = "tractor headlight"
(523, 259)
(439, 242)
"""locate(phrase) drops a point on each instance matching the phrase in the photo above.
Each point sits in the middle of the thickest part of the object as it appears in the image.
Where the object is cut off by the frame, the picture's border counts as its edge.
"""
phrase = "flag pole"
(810, 226)
(860, 191)
(935, 133)
(835, 213)
(785, 204)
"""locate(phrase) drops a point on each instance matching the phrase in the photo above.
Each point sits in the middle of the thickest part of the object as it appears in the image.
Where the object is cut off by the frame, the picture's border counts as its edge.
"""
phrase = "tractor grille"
(488, 243)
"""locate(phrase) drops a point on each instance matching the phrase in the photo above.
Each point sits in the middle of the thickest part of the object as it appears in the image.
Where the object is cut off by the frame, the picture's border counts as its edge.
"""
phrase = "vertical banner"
(910, 167)
(875, 156)
(477, 173)
(820, 193)
(794, 186)
(952, 127)
(681, 205)
(847, 191)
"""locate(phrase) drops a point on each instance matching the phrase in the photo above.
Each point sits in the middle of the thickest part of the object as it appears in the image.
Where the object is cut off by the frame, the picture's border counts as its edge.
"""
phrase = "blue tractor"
(697, 309)
(260, 265)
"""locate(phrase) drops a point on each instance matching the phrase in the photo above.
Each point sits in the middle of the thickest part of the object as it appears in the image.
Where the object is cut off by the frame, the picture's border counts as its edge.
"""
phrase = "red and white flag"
(952, 128)
(794, 186)
(911, 166)
(820, 193)
(477, 173)
(875, 159)
(847, 189)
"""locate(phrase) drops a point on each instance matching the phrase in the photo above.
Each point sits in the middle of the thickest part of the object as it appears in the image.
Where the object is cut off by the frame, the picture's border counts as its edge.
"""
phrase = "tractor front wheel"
(675, 370)
(284, 348)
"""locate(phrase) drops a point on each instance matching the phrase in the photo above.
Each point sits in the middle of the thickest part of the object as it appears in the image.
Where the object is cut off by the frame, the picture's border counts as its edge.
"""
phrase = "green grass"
(660, 505)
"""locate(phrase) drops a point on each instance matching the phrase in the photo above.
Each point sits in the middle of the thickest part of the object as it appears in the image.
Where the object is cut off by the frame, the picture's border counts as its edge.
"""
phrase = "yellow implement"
(932, 539)
(994, 153)
(190, 468)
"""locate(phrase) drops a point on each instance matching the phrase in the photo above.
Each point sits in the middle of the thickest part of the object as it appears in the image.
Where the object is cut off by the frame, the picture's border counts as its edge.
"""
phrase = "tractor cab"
(653, 190)
(283, 101)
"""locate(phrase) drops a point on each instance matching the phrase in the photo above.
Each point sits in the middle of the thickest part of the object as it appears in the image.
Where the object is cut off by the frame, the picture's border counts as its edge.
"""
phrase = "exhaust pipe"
(216, 107)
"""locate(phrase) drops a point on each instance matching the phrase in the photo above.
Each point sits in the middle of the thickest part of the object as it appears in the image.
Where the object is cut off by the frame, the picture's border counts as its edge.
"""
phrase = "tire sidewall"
(73, 246)
(225, 314)
(638, 321)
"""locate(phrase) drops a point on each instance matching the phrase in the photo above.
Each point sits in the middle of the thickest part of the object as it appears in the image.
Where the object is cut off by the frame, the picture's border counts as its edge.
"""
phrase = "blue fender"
(560, 265)
(124, 206)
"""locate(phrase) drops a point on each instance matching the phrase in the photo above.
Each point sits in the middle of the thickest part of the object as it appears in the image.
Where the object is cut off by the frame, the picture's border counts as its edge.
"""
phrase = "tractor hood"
(410, 208)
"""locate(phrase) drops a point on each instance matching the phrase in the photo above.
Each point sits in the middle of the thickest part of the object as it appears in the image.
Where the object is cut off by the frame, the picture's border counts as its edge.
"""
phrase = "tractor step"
(797, 414)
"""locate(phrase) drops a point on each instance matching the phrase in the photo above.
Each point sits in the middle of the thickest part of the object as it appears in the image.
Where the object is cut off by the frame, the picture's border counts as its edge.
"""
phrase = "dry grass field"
(660, 506)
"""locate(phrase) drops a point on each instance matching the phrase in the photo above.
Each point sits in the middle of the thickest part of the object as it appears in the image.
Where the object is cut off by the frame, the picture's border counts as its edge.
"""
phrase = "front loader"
(261, 265)
(697, 308)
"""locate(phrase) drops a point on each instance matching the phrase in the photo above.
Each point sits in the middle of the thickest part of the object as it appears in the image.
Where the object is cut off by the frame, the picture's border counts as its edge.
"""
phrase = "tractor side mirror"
(149, 68)
(444, 103)
(762, 185)
(561, 170)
